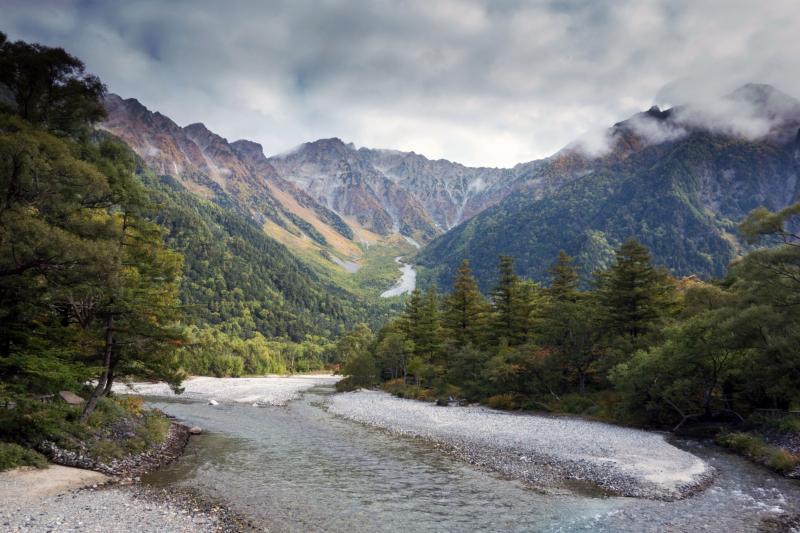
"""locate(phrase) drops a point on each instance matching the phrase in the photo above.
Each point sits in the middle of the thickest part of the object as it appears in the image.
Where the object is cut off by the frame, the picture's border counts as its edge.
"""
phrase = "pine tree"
(564, 276)
(633, 296)
(509, 321)
(465, 310)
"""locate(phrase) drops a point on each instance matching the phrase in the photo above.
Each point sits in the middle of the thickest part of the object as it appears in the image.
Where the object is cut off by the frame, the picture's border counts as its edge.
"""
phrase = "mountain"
(679, 180)
(325, 197)
(233, 174)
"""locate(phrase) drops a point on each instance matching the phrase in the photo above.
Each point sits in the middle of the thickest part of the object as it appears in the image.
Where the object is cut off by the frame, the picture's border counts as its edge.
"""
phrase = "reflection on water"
(297, 468)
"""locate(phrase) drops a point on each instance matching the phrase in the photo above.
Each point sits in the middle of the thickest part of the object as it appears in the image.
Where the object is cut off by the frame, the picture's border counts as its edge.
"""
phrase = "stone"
(213, 402)
(195, 430)
(70, 397)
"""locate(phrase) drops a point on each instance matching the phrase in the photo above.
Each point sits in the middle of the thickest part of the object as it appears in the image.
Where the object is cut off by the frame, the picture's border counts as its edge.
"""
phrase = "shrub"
(13, 455)
(505, 402)
(575, 404)
(754, 447)
(133, 404)
(782, 461)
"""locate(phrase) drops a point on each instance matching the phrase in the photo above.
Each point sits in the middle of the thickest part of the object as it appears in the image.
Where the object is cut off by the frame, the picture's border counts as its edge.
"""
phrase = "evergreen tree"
(422, 325)
(465, 311)
(634, 297)
(564, 279)
(509, 322)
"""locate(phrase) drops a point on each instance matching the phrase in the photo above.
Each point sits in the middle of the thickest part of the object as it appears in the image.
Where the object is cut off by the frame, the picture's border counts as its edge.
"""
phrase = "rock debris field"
(547, 452)
(271, 390)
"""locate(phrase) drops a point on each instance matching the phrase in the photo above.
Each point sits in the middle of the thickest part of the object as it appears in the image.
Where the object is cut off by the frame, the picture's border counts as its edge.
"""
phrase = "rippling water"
(298, 468)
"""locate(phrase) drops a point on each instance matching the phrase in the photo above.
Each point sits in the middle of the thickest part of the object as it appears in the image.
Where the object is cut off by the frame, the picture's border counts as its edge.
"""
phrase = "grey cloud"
(477, 81)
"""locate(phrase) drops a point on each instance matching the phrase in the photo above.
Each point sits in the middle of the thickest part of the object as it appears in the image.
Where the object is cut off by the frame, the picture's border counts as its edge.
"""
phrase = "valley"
(335, 337)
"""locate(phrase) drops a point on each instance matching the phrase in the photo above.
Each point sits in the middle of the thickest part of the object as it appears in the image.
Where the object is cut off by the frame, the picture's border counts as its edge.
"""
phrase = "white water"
(406, 283)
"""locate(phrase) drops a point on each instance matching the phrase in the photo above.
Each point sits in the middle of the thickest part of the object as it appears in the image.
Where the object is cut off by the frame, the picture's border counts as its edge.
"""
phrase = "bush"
(13, 455)
(575, 404)
(782, 461)
(505, 402)
(754, 447)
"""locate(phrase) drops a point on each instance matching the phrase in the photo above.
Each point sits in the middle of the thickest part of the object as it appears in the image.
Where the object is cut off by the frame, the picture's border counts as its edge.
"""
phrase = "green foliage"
(13, 455)
(754, 447)
(359, 362)
(657, 194)
(239, 279)
(49, 88)
(465, 310)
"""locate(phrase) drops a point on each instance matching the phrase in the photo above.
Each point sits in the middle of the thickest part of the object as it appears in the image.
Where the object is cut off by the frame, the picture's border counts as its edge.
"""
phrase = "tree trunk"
(99, 390)
(110, 379)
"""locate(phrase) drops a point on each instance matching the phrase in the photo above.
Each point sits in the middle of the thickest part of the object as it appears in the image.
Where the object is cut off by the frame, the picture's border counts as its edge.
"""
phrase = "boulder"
(70, 397)
(213, 402)
(195, 430)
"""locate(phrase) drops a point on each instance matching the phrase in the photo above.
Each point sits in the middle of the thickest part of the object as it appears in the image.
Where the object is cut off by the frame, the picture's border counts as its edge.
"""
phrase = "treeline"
(211, 352)
(639, 346)
(88, 290)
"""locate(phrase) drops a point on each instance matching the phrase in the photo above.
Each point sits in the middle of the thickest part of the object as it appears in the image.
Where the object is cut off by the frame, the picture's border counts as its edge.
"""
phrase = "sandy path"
(23, 485)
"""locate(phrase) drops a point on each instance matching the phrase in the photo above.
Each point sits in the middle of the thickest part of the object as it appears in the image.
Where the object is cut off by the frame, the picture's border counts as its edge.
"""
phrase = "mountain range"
(677, 179)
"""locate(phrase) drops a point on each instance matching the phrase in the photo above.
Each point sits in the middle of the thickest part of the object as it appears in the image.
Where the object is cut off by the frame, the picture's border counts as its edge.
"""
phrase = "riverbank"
(545, 452)
(259, 391)
(62, 498)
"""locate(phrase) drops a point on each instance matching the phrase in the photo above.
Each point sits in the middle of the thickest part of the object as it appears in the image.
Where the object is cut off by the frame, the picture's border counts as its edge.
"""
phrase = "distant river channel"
(407, 281)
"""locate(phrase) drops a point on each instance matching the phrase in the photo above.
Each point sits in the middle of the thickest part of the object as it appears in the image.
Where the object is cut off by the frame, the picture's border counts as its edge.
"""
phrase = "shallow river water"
(298, 468)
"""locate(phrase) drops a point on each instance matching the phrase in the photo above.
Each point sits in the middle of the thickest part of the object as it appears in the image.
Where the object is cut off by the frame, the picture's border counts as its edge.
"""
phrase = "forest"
(637, 347)
(109, 272)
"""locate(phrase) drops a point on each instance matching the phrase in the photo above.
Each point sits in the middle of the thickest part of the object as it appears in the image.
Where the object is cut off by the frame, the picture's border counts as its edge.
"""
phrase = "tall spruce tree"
(564, 279)
(634, 297)
(465, 310)
(510, 321)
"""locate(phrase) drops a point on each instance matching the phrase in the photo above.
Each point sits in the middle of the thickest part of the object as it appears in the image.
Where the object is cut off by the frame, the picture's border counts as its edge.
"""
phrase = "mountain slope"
(678, 180)
(235, 175)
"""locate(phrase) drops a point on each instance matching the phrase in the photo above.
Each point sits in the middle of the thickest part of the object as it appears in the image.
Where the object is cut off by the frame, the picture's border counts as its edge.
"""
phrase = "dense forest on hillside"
(639, 346)
(680, 198)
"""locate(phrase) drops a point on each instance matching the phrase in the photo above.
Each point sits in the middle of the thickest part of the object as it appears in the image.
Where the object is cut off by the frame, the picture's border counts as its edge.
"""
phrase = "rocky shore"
(81, 493)
(113, 508)
(549, 453)
(127, 468)
(260, 391)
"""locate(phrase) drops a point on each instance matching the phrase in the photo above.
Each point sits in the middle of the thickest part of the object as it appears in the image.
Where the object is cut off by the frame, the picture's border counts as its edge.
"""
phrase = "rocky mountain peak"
(249, 150)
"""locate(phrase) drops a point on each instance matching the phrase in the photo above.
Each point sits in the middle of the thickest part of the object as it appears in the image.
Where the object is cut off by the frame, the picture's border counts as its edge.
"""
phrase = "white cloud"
(477, 81)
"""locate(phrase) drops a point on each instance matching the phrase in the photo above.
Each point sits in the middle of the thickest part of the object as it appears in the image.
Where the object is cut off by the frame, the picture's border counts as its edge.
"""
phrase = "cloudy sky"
(482, 82)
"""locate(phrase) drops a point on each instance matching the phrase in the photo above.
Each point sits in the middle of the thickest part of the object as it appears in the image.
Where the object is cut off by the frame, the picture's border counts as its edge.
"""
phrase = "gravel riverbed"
(120, 509)
(268, 390)
(545, 451)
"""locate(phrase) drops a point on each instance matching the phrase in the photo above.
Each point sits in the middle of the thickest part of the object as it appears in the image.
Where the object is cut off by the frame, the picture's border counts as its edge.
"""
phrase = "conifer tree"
(633, 296)
(465, 310)
(564, 276)
(509, 322)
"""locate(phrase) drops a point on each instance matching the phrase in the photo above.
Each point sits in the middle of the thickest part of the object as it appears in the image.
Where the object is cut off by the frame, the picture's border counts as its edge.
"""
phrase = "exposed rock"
(195, 430)
(70, 397)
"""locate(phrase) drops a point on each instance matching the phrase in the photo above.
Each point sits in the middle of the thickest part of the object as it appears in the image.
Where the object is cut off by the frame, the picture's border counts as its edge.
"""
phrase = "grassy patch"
(755, 448)
(118, 427)
(13, 455)
(412, 392)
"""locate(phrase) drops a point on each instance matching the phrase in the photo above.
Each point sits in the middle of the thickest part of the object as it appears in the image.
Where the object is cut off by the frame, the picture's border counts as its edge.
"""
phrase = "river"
(299, 468)
(406, 283)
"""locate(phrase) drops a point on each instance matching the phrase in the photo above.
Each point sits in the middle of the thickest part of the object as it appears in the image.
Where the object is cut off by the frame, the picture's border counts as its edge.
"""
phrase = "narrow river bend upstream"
(300, 468)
